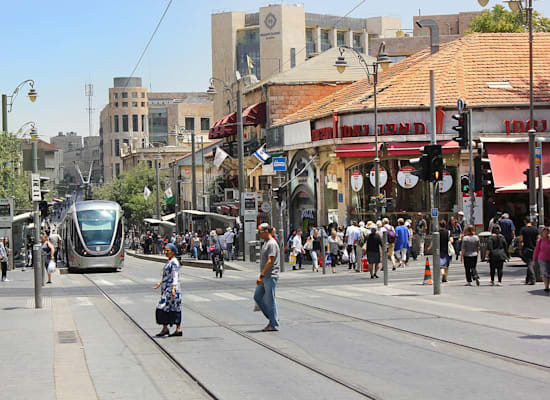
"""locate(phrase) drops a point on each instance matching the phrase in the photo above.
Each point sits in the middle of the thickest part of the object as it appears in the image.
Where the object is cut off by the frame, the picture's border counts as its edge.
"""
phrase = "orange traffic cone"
(427, 273)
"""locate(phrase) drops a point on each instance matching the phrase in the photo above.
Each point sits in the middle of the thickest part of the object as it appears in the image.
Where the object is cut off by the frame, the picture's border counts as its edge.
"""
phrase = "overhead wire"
(149, 42)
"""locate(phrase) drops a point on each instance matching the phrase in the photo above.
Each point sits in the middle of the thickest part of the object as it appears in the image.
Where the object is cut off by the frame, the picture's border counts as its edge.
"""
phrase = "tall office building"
(279, 37)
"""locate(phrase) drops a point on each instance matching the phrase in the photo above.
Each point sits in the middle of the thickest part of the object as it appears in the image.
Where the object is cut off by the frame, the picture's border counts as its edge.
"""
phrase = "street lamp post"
(240, 143)
(384, 61)
(7, 101)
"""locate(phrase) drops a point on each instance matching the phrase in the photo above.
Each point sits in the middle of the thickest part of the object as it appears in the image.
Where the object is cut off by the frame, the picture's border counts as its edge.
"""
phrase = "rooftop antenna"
(89, 90)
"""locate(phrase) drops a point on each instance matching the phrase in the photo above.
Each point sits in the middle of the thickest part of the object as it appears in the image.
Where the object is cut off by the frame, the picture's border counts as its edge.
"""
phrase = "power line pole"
(434, 197)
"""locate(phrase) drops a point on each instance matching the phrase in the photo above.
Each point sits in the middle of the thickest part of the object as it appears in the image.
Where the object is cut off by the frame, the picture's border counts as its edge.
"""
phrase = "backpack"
(391, 234)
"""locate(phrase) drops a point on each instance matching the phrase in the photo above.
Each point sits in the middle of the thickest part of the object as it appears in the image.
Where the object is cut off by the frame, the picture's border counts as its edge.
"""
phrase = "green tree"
(13, 182)
(500, 20)
(127, 190)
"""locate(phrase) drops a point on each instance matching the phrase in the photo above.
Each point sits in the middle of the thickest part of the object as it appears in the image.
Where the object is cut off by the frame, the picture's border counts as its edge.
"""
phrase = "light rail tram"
(93, 236)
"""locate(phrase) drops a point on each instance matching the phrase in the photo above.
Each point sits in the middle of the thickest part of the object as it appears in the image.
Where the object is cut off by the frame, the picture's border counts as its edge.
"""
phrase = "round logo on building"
(356, 180)
(405, 178)
(383, 176)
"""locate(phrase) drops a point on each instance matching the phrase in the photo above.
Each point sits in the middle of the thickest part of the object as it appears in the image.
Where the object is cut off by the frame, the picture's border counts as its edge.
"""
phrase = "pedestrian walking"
(374, 249)
(298, 249)
(315, 251)
(266, 284)
(444, 258)
(168, 311)
(352, 237)
(48, 253)
(390, 231)
(528, 236)
(542, 255)
(507, 228)
(421, 229)
(229, 239)
(55, 240)
(401, 246)
(333, 249)
(456, 233)
(4, 252)
(469, 254)
(497, 253)
(196, 242)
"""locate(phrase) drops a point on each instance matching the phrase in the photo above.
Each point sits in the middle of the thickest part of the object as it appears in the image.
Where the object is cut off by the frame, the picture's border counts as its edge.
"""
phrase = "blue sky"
(63, 44)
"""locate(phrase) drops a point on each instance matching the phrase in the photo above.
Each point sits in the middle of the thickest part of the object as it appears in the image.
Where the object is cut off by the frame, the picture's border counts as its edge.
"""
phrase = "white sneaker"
(6, 280)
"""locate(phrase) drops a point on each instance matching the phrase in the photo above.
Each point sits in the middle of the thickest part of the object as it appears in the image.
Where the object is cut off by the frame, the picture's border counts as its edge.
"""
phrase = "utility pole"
(532, 131)
(434, 197)
(240, 144)
(472, 187)
(158, 186)
(193, 173)
(36, 255)
(203, 182)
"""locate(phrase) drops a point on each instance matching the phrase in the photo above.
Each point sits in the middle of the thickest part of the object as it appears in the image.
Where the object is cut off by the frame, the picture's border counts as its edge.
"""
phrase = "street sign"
(35, 187)
(460, 105)
(266, 207)
(279, 163)
(435, 212)
(538, 154)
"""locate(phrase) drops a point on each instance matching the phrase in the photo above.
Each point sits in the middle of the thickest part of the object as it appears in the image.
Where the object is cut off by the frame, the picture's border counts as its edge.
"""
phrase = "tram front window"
(97, 226)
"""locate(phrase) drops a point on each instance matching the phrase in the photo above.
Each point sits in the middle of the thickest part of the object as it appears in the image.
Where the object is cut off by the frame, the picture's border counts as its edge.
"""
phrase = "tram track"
(357, 389)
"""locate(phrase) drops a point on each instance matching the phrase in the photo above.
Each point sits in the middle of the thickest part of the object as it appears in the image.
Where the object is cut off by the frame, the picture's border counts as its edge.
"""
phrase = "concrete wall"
(449, 24)
(383, 26)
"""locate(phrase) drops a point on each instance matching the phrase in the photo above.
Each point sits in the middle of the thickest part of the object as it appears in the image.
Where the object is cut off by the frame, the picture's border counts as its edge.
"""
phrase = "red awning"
(415, 148)
(357, 150)
(223, 127)
(254, 114)
(509, 160)
(213, 134)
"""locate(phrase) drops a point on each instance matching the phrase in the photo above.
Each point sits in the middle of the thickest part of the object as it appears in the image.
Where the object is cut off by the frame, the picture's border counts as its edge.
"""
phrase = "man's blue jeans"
(265, 298)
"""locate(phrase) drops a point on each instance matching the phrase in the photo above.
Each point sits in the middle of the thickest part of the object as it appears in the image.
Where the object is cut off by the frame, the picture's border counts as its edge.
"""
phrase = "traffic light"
(526, 181)
(462, 128)
(435, 159)
(422, 166)
(275, 194)
(44, 210)
(465, 184)
(482, 173)
(43, 190)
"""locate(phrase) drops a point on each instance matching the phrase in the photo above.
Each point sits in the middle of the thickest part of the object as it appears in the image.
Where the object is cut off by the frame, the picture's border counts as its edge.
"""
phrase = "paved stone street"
(342, 335)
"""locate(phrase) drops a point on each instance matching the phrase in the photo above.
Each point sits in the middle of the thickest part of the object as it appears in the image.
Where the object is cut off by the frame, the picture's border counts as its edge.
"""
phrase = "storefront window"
(331, 186)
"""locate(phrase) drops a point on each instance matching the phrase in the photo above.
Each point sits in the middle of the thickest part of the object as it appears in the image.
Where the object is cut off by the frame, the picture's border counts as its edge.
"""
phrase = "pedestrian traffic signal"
(526, 181)
(465, 184)
(462, 128)
(482, 173)
(44, 210)
(43, 190)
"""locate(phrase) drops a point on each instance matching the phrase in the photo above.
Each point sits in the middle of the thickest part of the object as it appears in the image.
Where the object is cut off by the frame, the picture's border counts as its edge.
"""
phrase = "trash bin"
(254, 250)
(483, 243)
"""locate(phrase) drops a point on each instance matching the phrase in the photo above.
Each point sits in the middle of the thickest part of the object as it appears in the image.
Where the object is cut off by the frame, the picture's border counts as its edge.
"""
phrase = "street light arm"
(12, 97)
(360, 57)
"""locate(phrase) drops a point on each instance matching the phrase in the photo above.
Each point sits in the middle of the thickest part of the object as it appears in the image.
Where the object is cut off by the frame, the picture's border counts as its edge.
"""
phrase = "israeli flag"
(261, 154)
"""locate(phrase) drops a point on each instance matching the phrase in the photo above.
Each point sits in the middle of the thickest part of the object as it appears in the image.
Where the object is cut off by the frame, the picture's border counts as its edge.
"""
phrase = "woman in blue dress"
(169, 307)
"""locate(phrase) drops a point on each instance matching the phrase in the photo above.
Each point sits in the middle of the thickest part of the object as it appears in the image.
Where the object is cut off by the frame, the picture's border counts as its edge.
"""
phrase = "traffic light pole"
(471, 167)
(434, 197)
(36, 256)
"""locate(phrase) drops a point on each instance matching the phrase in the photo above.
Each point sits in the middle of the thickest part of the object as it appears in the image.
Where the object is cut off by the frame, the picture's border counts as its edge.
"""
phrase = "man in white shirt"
(353, 235)
(298, 249)
(55, 240)
(229, 239)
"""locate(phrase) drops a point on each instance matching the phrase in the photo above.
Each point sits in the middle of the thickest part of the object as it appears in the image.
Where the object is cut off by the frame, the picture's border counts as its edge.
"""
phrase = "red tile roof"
(463, 68)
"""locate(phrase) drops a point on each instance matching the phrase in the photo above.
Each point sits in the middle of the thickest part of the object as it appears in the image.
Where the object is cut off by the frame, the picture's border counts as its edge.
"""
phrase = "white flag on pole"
(146, 193)
(261, 154)
(168, 192)
(220, 157)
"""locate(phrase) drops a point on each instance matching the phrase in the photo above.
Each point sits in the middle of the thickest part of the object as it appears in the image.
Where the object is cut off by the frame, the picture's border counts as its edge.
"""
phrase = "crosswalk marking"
(104, 282)
(194, 298)
(380, 290)
(123, 300)
(83, 301)
(337, 292)
(125, 281)
(46, 302)
(228, 296)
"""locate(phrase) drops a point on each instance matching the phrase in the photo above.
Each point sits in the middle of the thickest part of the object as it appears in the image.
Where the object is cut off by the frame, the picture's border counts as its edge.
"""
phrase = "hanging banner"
(447, 183)
(383, 174)
(356, 181)
(405, 178)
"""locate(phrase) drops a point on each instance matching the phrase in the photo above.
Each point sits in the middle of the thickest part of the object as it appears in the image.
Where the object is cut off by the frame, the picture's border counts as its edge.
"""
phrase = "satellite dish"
(237, 75)
(483, 3)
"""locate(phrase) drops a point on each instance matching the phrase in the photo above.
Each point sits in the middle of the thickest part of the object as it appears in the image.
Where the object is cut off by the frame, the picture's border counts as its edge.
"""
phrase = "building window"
(292, 57)
(124, 95)
(189, 124)
(205, 124)
(116, 95)
(248, 44)
(142, 95)
(143, 122)
(325, 43)
(117, 147)
(158, 124)
(310, 43)
(357, 42)
(124, 123)
(143, 104)
(124, 104)
(116, 104)
(150, 163)
(134, 103)
(340, 38)
(117, 170)
(134, 95)
(135, 126)
(116, 123)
